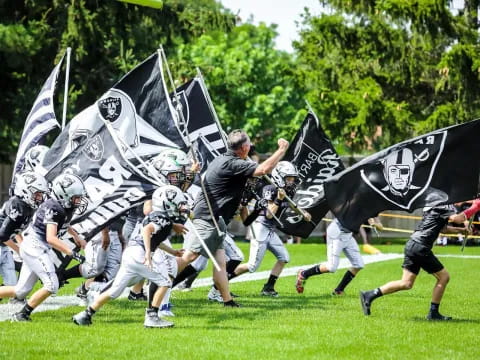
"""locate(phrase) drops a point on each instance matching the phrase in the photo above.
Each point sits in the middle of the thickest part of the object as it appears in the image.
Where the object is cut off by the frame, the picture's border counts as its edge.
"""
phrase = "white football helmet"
(34, 157)
(170, 199)
(31, 188)
(70, 191)
(170, 164)
(283, 170)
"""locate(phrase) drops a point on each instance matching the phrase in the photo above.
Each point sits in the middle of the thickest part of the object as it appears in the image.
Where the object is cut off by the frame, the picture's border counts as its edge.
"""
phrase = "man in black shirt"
(419, 255)
(224, 182)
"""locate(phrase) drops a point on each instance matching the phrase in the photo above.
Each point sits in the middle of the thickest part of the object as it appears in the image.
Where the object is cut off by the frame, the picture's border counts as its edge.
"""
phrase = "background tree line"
(375, 72)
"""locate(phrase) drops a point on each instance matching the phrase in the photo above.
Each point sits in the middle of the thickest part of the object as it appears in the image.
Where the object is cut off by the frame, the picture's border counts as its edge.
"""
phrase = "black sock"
(215, 287)
(373, 294)
(153, 309)
(152, 289)
(232, 265)
(345, 281)
(189, 281)
(271, 281)
(189, 270)
(314, 270)
(73, 272)
(90, 311)
(27, 309)
(434, 307)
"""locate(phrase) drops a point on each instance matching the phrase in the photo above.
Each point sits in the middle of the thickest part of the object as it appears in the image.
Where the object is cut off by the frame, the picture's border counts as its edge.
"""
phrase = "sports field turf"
(313, 325)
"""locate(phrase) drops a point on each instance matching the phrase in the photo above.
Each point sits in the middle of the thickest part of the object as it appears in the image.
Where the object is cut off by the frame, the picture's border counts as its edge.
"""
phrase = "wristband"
(277, 202)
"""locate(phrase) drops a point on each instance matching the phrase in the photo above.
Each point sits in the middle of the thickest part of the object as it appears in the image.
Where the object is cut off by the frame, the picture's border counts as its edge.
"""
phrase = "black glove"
(260, 204)
(79, 257)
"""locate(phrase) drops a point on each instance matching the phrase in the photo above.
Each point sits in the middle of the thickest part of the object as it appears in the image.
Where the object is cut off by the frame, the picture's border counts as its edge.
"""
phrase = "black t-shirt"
(163, 227)
(15, 215)
(433, 221)
(224, 181)
(51, 212)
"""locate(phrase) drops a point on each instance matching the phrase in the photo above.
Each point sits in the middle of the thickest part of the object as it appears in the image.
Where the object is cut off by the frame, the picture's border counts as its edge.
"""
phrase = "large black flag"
(198, 114)
(316, 160)
(113, 184)
(441, 167)
(138, 108)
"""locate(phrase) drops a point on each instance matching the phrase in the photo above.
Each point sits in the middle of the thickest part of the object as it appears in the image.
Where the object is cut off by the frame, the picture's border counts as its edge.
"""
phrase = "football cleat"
(21, 317)
(17, 301)
(82, 318)
(300, 283)
(232, 304)
(436, 316)
(365, 301)
(137, 297)
(81, 292)
(267, 291)
(153, 321)
(214, 295)
(338, 292)
(166, 310)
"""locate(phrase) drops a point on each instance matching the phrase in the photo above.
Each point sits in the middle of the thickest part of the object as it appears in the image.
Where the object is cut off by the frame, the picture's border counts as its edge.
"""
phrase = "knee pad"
(51, 286)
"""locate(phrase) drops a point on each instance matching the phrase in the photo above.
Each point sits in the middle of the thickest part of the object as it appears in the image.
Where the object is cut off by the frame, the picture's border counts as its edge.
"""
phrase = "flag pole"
(210, 105)
(202, 184)
(65, 94)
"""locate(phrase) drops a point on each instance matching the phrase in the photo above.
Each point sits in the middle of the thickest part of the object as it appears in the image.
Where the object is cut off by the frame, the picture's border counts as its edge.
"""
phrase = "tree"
(379, 72)
(107, 38)
(253, 85)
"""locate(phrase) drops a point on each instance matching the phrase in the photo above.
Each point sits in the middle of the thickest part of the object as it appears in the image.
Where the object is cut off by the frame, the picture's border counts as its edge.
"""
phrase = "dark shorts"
(418, 256)
(209, 234)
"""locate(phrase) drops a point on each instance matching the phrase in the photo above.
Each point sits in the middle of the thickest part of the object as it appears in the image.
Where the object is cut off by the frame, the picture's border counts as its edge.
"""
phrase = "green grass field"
(313, 325)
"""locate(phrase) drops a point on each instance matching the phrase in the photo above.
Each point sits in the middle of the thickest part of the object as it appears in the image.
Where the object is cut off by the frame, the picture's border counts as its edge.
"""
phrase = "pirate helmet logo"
(402, 176)
(29, 178)
(110, 108)
(94, 149)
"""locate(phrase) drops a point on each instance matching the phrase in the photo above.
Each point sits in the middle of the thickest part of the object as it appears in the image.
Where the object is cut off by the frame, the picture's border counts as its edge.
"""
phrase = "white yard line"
(57, 302)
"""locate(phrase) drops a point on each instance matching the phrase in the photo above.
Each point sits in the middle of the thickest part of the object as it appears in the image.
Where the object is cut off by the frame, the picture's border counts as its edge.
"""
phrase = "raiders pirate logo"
(49, 215)
(94, 149)
(170, 195)
(66, 182)
(29, 178)
(405, 174)
(13, 214)
(110, 108)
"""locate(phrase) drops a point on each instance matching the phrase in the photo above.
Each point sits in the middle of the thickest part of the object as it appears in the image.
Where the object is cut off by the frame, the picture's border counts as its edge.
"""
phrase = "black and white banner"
(108, 144)
(316, 160)
(40, 120)
(138, 109)
(441, 167)
(198, 114)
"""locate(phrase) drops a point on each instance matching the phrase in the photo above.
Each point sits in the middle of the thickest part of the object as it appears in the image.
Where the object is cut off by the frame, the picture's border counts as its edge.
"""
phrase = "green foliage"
(107, 39)
(379, 72)
(253, 85)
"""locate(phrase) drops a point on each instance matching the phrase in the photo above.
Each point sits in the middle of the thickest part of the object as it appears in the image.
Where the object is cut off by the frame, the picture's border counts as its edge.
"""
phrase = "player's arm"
(54, 241)
(147, 232)
(274, 205)
(77, 238)
(171, 250)
(12, 245)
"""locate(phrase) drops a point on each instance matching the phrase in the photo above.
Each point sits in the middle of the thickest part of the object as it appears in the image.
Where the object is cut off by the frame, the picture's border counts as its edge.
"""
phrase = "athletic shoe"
(81, 292)
(436, 316)
(137, 297)
(300, 283)
(214, 295)
(17, 301)
(232, 303)
(153, 321)
(365, 301)
(20, 317)
(266, 291)
(166, 310)
(82, 318)
(183, 286)
(338, 292)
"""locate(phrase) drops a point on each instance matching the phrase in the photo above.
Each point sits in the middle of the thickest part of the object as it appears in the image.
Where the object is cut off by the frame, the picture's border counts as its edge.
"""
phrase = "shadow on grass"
(454, 320)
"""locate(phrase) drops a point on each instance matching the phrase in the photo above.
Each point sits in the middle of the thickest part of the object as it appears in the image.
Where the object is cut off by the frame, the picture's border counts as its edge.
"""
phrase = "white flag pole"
(65, 95)
(207, 200)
